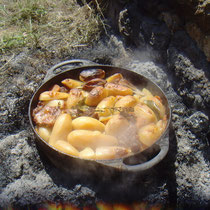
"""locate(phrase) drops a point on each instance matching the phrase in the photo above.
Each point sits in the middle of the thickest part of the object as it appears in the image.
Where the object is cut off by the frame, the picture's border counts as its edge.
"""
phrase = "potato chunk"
(104, 153)
(95, 96)
(56, 103)
(44, 132)
(146, 92)
(105, 120)
(155, 104)
(125, 102)
(144, 115)
(104, 107)
(115, 89)
(115, 78)
(87, 153)
(71, 83)
(116, 125)
(61, 128)
(56, 88)
(161, 124)
(149, 134)
(65, 147)
(52, 95)
(81, 139)
(87, 123)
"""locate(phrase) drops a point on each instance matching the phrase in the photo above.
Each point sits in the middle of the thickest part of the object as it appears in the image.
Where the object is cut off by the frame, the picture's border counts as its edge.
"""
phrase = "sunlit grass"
(47, 24)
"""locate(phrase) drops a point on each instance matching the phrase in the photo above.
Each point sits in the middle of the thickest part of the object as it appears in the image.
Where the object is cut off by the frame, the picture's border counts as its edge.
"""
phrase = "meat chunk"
(89, 74)
(45, 115)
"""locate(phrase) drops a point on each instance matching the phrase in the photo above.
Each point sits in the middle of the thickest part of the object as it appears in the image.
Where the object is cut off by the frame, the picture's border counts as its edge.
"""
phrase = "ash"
(171, 60)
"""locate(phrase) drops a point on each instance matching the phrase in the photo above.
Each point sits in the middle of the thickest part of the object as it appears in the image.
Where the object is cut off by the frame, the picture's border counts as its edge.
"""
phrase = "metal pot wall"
(140, 161)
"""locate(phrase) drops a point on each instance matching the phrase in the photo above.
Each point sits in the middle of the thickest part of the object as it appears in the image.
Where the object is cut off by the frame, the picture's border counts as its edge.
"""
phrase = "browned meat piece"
(88, 86)
(87, 75)
(45, 115)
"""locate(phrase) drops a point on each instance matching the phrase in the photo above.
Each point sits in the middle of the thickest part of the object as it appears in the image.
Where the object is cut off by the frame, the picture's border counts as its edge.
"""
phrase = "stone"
(206, 46)
(202, 40)
(198, 123)
(185, 61)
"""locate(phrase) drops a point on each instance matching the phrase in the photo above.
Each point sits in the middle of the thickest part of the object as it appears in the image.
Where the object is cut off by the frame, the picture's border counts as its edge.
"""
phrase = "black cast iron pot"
(140, 161)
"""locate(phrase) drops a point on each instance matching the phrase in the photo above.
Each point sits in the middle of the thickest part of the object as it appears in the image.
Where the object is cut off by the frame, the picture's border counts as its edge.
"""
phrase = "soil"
(171, 60)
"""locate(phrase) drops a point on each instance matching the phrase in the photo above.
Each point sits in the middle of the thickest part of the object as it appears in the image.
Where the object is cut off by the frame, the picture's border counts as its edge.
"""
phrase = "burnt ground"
(182, 179)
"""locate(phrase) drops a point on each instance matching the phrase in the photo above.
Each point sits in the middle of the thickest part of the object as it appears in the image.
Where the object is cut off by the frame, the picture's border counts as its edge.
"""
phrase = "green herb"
(152, 105)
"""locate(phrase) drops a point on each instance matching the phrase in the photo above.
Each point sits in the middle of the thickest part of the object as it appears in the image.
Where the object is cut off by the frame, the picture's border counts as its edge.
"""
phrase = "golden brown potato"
(61, 128)
(44, 132)
(75, 96)
(95, 96)
(90, 74)
(116, 125)
(81, 139)
(161, 124)
(149, 134)
(119, 97)
(71, 83)
(144, 115)
(115, 78)
(107, 140)
(155, 104)
(112, 152)
(56, 103)
(51, 95)
(146, 92)
(126, 83)
(87, 153)
(104, 107)
(56, 88)
(126, 102)
(65, 147)
(105, 120)
(89, 85)
(138, 96)
(85, 93)
(115, 89)
(87, 123)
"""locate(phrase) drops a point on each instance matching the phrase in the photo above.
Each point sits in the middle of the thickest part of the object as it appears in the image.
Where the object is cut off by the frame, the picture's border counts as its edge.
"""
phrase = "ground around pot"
(173, 61)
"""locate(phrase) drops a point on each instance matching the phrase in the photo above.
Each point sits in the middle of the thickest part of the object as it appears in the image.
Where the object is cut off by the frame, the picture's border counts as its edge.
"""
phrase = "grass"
(47, 24)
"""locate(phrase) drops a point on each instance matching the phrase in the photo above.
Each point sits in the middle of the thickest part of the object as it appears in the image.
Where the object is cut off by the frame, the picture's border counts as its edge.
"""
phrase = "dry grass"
(47, 24)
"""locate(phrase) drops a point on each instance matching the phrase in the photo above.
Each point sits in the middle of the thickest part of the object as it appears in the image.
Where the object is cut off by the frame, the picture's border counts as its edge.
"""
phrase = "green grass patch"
(47, 24)
(12, 41)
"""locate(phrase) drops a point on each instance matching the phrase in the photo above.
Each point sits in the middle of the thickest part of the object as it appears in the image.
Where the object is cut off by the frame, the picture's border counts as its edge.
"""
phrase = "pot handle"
(164, 146)
(70, 64)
